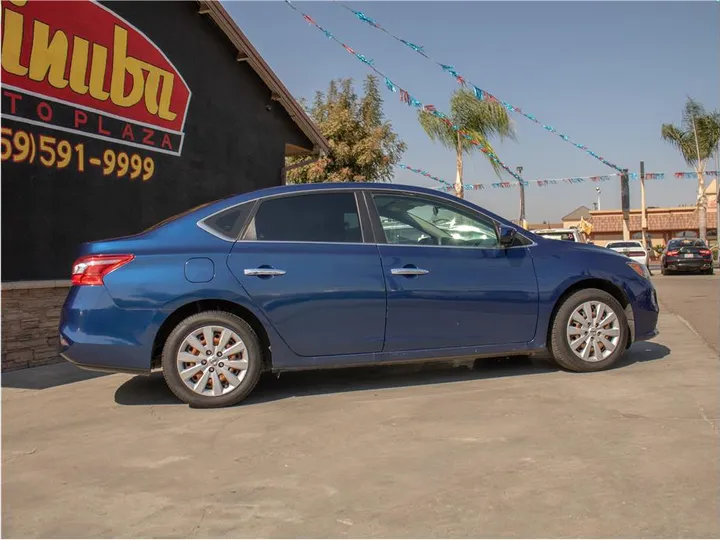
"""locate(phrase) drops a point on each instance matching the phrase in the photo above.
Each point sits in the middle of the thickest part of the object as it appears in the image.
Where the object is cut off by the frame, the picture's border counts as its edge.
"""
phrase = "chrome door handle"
(409, 272)
(264, 272)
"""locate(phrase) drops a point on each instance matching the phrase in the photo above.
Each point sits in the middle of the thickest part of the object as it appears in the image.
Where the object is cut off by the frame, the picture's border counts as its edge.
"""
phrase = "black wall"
(233, 144)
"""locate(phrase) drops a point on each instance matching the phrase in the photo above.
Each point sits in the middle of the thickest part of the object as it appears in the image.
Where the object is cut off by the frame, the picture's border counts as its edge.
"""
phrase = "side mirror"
(507, 235)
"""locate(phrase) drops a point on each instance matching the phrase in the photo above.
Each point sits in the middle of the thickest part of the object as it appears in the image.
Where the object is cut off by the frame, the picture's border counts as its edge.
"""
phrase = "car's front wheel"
(212, 359)
(590, 331)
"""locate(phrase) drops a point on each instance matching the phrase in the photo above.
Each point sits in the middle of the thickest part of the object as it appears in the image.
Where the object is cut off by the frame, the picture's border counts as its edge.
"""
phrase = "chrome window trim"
(356, 191)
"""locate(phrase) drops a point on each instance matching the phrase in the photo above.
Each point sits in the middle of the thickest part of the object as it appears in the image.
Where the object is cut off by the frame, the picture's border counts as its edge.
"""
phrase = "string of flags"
(543, 182)
(480, 93)
(407, 98)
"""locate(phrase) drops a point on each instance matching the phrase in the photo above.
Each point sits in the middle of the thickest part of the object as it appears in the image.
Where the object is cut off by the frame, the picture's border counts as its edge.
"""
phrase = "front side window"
(312, 217)
(416, 220)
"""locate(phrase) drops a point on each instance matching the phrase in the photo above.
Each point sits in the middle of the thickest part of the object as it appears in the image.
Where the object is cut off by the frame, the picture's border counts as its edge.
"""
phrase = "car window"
(230, 222)
(567, 236)
(674, 244)
(312, 217)
(413, 220)
(624, 245)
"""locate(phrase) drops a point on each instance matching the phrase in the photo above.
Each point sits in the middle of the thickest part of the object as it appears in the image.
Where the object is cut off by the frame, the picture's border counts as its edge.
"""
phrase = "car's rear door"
(303, 261)
(473, 293)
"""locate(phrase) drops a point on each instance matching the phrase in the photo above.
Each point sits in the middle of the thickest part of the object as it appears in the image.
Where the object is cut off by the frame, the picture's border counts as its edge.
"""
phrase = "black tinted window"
(316, 217)
(230, 222)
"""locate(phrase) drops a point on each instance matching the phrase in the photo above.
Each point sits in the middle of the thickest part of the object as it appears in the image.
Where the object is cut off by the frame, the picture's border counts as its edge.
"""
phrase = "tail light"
(672, 253)
(92, 269)
(705, 252)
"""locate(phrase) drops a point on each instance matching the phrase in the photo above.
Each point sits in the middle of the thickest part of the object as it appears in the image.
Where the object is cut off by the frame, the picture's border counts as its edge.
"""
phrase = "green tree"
(697, 140)
(480, 119)
(363, 145)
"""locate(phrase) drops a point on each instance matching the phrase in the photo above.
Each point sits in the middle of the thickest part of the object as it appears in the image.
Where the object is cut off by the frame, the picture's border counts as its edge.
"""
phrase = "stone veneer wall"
(30, 317)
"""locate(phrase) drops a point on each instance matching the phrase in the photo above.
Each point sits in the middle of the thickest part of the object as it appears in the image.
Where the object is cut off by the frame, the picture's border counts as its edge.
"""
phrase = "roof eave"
(248, 53)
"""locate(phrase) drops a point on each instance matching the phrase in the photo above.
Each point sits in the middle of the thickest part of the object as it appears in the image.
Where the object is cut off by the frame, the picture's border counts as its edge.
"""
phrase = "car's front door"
(303, 262)
(449, 282)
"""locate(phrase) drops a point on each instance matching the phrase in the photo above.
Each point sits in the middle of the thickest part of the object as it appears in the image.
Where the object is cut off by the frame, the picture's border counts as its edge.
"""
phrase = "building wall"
(233, 138)
(204, 128)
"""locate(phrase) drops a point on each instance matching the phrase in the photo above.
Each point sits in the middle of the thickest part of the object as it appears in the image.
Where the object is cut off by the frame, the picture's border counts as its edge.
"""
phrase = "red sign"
(81, 55)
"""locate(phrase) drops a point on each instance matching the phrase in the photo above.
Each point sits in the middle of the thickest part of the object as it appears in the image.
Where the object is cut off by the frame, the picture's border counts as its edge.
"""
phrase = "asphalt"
(510, 449)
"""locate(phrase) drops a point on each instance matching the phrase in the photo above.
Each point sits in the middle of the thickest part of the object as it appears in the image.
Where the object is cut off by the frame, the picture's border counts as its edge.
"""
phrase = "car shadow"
(152, 390)
(50, 376)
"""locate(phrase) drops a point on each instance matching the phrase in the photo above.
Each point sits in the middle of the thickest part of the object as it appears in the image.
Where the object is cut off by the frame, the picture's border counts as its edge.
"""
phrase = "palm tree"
(697, 140)
(479, 119)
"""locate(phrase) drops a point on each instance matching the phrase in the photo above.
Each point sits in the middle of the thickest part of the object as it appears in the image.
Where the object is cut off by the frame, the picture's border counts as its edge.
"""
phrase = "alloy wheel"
(593, 331)
(212, 360)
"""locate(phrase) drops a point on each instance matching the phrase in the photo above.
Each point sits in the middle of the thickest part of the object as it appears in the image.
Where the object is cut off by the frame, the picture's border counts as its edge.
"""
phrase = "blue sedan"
(333, 275)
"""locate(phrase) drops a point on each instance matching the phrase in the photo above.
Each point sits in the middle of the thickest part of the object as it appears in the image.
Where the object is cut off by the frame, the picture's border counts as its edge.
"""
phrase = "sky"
(607, 74)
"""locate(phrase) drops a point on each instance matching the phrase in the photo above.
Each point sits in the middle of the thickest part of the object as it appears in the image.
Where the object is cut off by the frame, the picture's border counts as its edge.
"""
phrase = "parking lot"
(510, 449)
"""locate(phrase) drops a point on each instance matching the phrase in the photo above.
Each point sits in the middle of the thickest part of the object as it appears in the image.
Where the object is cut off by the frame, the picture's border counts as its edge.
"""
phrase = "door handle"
(264, 272)
(409, 271)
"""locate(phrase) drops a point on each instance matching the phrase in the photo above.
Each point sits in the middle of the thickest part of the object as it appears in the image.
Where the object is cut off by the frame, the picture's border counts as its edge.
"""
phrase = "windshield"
(685, 243)
(178, 216)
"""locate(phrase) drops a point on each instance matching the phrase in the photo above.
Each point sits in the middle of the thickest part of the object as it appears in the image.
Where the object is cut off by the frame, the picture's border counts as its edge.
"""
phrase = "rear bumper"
(98, 335)
(688, 265)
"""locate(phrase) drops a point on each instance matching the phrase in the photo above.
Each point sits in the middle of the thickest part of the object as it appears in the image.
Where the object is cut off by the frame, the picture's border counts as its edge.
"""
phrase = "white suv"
(570, 234)
(632, 248)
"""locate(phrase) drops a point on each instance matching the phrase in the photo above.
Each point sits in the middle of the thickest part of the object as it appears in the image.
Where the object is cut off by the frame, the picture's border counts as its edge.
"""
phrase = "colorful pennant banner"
(407, 98)
(479, 92)
(543, 182)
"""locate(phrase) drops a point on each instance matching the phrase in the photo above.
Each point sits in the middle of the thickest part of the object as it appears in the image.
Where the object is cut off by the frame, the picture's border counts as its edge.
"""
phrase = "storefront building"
(117, 115)
(663, 223)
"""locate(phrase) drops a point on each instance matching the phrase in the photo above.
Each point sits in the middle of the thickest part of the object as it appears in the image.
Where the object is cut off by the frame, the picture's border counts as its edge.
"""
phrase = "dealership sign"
(77, 67)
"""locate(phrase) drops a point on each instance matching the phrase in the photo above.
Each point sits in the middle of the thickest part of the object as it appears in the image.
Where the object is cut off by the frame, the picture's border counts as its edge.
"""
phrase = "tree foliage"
(363, 145)
(694, 119)
(696, 138)
(482, 120)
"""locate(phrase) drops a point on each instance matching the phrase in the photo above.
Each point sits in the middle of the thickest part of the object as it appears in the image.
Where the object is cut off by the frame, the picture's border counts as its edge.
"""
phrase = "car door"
(450, 284)
(303, 262)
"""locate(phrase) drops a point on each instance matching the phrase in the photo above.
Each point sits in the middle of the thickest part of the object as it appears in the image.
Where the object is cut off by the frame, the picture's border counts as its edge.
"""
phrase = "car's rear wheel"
(590, 331)
(212, 359)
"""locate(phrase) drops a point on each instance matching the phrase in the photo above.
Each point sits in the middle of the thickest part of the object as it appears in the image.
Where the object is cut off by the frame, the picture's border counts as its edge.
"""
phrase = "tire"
(560, 346)
(217, 367)
(709, 271)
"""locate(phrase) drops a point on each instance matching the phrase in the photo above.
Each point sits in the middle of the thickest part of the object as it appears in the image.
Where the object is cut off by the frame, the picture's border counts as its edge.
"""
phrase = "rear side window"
(314, 217)
(229, 223)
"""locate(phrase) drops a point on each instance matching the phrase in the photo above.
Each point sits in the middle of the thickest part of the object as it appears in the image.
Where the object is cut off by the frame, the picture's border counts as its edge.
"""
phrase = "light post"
(522, 198)
(598, 196)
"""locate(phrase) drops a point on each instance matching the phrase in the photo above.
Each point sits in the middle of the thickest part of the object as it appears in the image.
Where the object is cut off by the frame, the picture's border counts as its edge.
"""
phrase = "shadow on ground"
(43, 377)
(153, 390)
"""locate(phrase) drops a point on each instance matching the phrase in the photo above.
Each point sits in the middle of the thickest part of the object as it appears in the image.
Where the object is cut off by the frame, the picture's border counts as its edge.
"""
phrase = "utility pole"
(522, 199)
(643, 224)
(625, 199)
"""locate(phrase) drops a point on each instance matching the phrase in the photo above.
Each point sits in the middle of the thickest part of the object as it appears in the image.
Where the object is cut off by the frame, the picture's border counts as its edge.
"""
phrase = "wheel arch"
(594, 283)
(198, 306)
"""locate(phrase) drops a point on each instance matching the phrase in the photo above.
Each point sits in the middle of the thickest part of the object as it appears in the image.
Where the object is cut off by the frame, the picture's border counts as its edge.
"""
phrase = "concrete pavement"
(508, 450)
(696, 299)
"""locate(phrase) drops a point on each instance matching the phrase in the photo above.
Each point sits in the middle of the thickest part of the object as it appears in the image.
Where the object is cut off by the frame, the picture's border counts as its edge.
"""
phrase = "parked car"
(569, 234)
(686, 255)
(631, 248)
(307, 277)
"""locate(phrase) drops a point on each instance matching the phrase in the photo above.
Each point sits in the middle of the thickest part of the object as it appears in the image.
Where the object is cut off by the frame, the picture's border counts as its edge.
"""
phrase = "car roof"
(539, 231)
(233, 200)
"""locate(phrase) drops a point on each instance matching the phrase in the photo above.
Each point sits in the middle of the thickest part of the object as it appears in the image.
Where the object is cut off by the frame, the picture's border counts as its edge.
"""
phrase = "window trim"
(362, 218)
(382, 239)
(205, 227)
